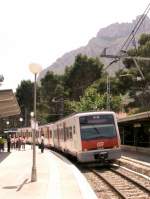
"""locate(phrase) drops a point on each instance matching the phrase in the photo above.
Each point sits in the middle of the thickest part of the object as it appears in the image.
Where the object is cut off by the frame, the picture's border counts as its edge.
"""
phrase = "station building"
(8, 104)
(135, 131)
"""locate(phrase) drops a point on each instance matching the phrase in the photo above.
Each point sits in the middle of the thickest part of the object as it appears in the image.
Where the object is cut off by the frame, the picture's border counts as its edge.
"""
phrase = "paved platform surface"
(136, 155)
(57, 178)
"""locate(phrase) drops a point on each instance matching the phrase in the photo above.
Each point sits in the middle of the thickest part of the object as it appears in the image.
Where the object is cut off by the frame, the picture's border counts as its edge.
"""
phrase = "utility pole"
(60, 102)
(61, 107)
(1, 79)
(120, 57)
(108, 93)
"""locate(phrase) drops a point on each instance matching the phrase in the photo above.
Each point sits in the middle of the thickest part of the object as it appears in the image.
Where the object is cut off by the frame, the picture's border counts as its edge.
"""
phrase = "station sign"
(34, 125)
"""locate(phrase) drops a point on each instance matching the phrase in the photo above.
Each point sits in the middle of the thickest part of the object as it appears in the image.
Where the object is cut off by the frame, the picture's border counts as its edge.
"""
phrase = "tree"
(52, 89)
(128, 78)
(81, 74)
(24, 94)
(138, 90)
(93, 101)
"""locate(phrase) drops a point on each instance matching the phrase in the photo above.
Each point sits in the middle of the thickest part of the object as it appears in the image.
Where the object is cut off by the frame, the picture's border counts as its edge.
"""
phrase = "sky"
(40, 31)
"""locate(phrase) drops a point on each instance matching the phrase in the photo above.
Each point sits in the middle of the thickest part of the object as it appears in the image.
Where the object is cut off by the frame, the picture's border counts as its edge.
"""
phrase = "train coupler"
(101, 156)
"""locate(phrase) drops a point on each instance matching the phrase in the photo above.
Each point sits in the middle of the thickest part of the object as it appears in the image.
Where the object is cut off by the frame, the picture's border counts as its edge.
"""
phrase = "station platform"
(135, 161)
(136, 155)
(56, 177)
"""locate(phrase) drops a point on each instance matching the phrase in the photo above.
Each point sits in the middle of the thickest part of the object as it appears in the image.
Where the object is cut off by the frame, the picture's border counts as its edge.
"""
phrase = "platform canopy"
(8, 104)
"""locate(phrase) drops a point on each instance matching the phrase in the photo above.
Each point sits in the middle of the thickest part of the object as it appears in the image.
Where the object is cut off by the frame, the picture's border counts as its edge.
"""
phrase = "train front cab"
(99, 138)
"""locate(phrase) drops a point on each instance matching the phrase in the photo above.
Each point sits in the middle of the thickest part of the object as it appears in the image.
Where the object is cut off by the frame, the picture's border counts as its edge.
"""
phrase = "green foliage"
(116, 103)
(81, 74)
(144, 39)
(138, 90)
(51, 91)
(94, 101)
(90, 101)
(82, 88)
(24, 94)
(48, 86)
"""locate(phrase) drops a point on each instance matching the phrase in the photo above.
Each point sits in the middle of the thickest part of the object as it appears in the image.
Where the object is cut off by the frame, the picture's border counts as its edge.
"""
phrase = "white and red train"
(88, 136)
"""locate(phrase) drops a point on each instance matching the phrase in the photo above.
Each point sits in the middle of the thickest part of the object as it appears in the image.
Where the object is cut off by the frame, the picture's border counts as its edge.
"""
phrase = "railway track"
(115, 181)
(135, 165)
(118, 183)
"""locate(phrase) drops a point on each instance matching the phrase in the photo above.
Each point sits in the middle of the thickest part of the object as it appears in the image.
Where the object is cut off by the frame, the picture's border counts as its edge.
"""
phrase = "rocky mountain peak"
(111, 36)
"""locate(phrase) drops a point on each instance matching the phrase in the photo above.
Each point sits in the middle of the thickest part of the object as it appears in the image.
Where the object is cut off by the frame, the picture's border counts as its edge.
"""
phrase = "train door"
(58, 136)
(70, 135)
(52, 135)
(48, 136)
(65, 136)
(76, 134)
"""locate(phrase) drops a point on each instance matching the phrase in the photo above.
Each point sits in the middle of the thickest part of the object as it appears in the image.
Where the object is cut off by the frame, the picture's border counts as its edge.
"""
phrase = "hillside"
(111, 36)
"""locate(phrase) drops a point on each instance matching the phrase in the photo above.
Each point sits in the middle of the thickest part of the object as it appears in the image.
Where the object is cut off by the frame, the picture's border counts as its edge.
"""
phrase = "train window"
(74, 131)
(67, 133)
(47, 132)
(50, 133)
(59, 133)
(55, 133)
(97, 131)
(64, 134)
(70, 135)
(70, 132)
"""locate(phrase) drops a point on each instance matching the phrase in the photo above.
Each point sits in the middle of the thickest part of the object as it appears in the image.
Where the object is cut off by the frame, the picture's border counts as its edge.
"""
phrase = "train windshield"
(97, 127)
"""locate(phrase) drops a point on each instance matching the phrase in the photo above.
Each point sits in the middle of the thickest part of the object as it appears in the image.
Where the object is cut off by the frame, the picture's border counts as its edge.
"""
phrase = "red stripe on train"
(100, 143)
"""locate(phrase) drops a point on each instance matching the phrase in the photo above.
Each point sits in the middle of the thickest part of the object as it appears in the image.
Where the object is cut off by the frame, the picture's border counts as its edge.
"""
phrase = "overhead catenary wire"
(135, 29)
(130, 38)
(124, 47)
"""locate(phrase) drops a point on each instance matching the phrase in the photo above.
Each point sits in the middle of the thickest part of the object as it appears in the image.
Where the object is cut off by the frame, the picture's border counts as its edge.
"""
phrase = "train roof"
(46, 125)
(136, 117)
(78, 114)
(93, 112)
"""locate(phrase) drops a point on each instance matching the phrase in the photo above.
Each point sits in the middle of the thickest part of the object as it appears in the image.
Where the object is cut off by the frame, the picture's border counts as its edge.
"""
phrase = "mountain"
(112, 37)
